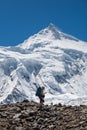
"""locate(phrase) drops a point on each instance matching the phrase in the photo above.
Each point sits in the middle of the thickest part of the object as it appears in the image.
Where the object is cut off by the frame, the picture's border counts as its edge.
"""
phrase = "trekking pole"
(47, 87)
(41, 80)
(35, 79)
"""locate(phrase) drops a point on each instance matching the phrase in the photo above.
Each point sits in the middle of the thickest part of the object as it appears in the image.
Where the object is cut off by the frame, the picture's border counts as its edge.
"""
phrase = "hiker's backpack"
(38, 92)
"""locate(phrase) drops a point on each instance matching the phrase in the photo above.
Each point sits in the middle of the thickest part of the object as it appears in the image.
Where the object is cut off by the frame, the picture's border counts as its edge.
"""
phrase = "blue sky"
(20, 19)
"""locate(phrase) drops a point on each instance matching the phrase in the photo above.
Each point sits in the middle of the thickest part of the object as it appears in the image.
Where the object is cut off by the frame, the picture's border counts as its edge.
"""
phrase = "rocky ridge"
(28, 116)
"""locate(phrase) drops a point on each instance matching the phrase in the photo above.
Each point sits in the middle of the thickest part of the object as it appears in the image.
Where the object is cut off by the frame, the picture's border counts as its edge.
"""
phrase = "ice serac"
(51, 58)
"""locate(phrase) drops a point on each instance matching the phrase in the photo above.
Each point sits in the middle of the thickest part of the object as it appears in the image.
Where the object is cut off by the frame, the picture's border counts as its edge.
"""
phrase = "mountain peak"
(50, 32)
(57, 34)
(52, 27)
(47, 34)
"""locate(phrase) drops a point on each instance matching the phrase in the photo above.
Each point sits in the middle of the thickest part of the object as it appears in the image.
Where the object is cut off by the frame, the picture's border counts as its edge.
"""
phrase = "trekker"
(41, 95)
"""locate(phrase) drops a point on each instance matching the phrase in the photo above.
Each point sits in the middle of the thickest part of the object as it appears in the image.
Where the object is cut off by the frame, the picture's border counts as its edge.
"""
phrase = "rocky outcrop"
(28, 116)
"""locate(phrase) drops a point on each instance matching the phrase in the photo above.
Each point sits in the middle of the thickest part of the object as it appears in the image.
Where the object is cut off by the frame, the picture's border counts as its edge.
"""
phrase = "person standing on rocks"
(41, 95)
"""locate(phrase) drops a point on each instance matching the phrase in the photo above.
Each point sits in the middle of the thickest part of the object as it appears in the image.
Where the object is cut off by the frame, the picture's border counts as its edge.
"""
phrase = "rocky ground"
(28, 116)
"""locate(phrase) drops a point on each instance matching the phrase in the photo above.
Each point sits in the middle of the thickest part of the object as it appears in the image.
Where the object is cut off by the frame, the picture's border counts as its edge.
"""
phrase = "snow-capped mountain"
(49, 58)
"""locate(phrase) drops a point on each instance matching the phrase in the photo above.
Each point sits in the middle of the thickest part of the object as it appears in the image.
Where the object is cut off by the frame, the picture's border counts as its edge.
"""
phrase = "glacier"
(49, 58)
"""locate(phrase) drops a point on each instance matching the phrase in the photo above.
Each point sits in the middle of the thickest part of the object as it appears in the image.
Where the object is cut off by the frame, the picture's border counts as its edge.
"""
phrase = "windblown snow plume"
(49, 58)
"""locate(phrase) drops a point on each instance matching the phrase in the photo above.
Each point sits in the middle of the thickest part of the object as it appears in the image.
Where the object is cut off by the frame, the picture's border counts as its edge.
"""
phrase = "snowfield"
(49, 58)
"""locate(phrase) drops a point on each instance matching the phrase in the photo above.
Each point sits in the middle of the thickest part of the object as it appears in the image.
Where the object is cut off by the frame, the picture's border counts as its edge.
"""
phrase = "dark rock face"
(28, 116)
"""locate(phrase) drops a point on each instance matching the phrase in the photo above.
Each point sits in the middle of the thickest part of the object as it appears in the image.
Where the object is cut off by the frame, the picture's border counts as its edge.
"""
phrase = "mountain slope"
(50, 58)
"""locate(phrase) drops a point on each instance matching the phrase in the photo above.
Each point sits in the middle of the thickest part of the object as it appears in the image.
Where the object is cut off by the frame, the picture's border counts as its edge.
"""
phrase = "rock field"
(28, 116)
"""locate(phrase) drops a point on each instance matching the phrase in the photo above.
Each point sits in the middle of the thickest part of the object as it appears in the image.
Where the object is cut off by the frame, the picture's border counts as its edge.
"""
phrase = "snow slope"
(50, 58)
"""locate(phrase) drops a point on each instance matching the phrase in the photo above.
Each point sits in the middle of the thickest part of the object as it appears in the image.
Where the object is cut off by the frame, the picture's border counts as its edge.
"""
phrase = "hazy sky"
(20, 19)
